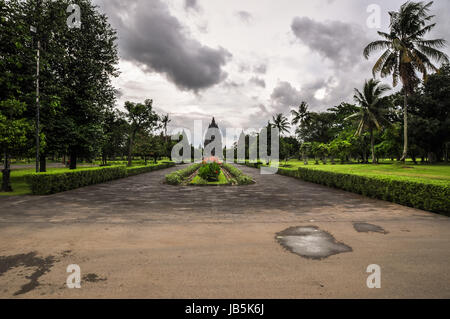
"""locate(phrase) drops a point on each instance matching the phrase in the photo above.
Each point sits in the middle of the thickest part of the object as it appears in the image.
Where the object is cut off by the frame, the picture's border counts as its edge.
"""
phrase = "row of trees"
(77, 99)
(373, 126)
(417, 116)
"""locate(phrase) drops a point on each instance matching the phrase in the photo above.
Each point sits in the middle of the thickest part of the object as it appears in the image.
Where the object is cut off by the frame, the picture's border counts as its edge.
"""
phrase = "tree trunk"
(6, 183)
(43, 163)
(432, 157)
(372, 146)
(405, 128)
(130, 149)
(73, 160)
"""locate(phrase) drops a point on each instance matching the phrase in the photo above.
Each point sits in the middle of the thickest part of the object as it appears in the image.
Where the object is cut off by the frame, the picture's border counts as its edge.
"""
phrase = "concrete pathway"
(140, 238)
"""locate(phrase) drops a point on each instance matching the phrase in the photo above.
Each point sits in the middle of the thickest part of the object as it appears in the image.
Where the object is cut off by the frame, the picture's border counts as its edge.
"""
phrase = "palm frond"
(433, 53)
(381, 61)
(375, 46)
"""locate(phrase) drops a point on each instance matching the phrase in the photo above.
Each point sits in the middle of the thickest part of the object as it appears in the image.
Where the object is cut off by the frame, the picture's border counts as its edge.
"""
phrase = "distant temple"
(214, 133)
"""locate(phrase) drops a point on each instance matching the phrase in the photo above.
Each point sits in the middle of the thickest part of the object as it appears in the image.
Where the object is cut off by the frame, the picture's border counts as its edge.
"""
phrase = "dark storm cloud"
(156, 41)
(284, 97)
(340, 42)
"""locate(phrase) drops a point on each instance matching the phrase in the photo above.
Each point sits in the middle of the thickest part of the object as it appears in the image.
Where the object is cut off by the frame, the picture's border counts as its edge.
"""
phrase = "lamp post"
(38, 56)
(33, 29)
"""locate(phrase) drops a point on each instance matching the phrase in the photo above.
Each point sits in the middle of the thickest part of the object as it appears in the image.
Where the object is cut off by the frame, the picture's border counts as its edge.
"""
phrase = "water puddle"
(311, 242)
(366, 228)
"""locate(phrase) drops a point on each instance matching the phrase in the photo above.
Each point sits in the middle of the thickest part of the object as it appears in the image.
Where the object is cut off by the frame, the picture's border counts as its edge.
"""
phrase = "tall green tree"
(141, 117)
(302, 115)
(430, 116)
(115, 130)
(281, 122)
(165, 120)
(82, 70)
(16, 82)
(372, 109)
(14, 132)
(406, 51)
(318, 128)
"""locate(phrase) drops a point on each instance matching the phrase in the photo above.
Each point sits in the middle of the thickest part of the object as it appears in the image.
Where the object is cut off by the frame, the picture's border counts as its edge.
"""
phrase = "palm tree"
(165, 121)
(301, 115)
(281, 123)
(407, 51)
(372, 107)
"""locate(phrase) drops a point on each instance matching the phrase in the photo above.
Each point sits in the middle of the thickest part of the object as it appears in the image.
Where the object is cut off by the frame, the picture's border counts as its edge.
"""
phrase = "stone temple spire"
(213, 124)
(216, 135)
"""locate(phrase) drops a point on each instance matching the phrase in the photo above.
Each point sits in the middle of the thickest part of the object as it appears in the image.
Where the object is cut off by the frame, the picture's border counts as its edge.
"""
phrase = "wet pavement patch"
(366, 228)
(92, 278)
(311, 242)
(30, 260)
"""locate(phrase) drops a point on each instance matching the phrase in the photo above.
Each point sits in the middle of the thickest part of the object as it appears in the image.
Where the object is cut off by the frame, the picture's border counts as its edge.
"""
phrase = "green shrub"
(136, 170)
(51, 183)
(288, 172)
(201, 181)
(48, 183)
(233, 170)
(244, 180)
(210, 172)
(254, 165)
(176, 178)
(239, 177)
(431, 197)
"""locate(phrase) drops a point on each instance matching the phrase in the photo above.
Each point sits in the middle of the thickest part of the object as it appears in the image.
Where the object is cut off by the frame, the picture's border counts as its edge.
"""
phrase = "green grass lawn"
(222, 180)
(433, 174)
(20, 187)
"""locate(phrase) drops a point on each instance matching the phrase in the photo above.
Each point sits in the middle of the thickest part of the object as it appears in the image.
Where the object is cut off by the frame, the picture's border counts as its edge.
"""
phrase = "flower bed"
(210, 172)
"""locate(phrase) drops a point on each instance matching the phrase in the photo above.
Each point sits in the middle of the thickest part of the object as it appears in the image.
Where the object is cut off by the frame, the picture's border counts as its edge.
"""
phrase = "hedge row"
(430, 197)
(176, 178)
(131, 171)
(254, 165)
(241, 179)
(51, 183)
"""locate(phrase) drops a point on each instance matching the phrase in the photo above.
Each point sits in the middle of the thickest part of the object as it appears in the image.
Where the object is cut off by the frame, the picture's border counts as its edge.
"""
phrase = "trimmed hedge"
(176, 178)
(254, 165)
(48, 183)
(51, 183)
(131, 171)
(288, 172)
(241, 179)
(430, 197)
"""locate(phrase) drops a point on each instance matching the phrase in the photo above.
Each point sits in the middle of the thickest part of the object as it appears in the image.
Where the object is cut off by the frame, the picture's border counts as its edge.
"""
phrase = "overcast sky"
(244, 60)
